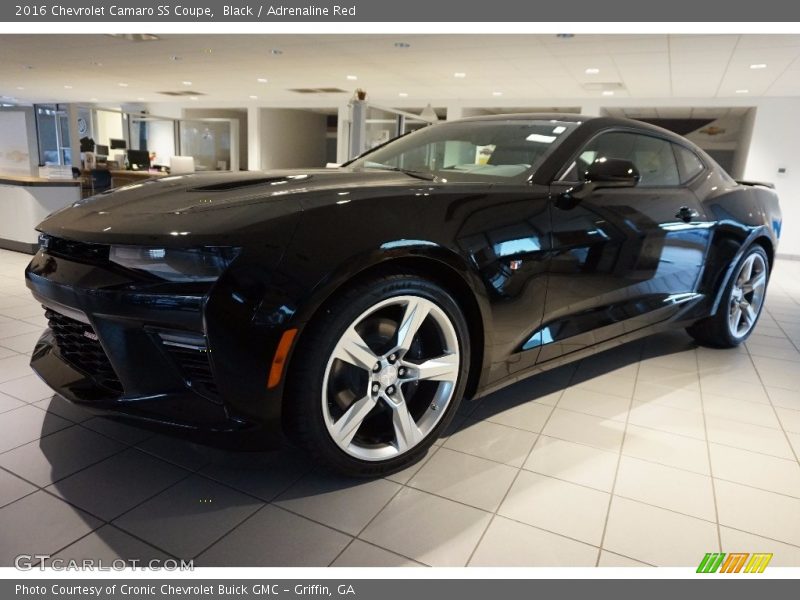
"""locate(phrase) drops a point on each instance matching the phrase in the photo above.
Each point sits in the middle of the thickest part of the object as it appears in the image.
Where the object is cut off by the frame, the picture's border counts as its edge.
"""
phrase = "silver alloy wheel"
(389, 374)
(747, 295)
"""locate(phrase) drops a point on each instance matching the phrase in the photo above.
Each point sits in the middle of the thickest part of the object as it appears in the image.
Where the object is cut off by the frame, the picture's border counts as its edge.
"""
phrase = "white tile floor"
(652, 454)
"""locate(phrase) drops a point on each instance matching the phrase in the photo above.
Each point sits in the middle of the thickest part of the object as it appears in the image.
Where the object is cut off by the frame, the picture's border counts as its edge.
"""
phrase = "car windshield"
(502, 149)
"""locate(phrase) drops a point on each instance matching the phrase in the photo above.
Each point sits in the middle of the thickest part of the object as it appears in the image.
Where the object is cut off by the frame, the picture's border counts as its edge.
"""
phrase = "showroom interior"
(651, 454)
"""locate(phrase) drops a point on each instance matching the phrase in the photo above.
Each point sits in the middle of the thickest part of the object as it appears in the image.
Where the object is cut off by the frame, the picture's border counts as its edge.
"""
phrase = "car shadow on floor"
(147, 494)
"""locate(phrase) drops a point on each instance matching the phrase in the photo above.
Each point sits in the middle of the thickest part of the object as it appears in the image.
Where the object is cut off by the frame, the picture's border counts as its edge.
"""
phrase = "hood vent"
(245, 183)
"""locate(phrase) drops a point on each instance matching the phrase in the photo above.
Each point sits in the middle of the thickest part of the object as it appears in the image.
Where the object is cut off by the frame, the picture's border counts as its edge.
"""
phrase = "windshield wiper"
(410, 172)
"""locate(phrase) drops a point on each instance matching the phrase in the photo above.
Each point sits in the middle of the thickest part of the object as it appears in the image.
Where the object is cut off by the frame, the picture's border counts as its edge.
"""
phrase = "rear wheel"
(741, 304)
(378, 375)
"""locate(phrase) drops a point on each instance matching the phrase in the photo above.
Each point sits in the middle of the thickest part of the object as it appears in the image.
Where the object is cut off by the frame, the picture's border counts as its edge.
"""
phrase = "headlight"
(201, 264)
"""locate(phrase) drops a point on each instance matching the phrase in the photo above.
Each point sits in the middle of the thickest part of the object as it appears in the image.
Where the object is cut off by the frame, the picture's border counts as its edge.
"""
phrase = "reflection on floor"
(655, 453)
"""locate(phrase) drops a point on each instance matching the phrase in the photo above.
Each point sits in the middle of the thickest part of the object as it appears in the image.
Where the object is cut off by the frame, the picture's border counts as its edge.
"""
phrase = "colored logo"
(734, 562)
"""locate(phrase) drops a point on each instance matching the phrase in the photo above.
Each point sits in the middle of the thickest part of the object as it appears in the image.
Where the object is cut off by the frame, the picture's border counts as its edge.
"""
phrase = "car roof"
(568, 117)
(594, 123)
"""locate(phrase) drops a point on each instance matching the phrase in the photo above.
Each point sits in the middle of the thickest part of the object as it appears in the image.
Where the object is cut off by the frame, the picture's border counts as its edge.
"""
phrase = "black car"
(354, 308)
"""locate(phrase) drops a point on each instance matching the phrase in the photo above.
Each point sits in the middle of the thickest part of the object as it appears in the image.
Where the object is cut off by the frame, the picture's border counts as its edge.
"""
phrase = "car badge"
(91, 335)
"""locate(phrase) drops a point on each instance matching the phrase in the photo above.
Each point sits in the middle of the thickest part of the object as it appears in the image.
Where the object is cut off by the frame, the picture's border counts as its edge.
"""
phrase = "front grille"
(194, 365)
(78, 345)
(79, 251)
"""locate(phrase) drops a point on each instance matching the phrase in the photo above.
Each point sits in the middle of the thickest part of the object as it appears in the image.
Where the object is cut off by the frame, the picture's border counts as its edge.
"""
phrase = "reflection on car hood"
(204, 203)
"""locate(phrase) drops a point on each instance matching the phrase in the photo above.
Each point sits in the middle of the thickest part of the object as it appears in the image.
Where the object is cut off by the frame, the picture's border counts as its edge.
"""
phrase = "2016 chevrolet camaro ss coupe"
(354, 308)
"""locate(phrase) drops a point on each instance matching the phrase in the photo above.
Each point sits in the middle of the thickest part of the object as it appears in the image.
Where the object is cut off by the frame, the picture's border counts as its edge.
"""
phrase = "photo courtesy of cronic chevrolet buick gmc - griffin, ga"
(355, 308)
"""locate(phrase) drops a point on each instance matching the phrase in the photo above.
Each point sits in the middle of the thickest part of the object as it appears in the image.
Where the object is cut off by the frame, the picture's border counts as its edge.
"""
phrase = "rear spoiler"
(751, 183)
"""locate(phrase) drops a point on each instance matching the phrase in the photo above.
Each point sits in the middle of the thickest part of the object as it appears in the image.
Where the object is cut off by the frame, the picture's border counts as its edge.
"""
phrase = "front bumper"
(130, 347)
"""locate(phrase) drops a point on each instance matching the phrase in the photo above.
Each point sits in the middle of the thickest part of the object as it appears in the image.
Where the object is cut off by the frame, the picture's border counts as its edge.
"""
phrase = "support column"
(254, 138)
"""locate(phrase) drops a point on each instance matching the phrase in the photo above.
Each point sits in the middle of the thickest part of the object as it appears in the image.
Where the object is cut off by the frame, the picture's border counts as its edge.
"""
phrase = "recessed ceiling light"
(95, 63)
(19, 87)
(67, 87)
(140, 99)
(122, 84)
(459, 75)
(742, 91)
(186, 82)
(92, 99)
(253, 97)
(565, 36)
(262, 80)
(352, 77)
(276, 52)
(758, 66)
(592, 71)
(402, 45)
(403, 95)
(194, 98)
(608, 92)
(209, 50)
(497, 93)
(175, 57)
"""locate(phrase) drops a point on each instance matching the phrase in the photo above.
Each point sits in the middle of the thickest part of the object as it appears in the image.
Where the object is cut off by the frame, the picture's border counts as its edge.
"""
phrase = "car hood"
(207, 206)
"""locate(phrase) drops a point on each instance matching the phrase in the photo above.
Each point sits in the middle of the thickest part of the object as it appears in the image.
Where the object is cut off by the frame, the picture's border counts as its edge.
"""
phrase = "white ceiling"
(37, 68)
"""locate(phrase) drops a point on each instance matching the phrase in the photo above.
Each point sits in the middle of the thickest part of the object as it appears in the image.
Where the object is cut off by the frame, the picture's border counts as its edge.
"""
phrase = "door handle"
(686, 214)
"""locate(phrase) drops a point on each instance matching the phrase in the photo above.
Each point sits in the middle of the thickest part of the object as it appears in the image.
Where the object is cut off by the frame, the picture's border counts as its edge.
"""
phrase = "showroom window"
(652, 156)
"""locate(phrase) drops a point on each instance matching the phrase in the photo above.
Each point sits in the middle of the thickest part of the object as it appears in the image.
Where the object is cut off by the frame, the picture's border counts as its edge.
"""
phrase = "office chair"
(101, 180)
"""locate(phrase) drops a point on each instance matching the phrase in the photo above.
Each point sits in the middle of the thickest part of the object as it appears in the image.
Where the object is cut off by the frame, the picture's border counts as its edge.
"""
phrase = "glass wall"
(52, 130)
(157, 136)
(209, 142)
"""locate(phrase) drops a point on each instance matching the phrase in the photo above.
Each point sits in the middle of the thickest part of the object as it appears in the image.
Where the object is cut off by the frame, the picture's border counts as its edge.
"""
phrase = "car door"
(622, 258)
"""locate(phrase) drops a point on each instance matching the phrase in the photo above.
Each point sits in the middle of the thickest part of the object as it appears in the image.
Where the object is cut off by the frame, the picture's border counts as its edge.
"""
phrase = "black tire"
(303, 410)
(714, 331)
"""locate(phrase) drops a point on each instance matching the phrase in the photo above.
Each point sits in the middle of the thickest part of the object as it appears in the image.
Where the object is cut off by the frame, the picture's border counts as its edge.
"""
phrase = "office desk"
(25, 201)
(119, 177)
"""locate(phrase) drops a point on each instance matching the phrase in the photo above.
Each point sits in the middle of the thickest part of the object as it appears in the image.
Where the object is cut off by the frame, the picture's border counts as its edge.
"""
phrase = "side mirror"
(602, 173)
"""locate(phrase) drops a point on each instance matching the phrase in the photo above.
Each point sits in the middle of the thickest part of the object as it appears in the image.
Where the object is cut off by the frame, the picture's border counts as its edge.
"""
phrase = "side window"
(652, 156)
(689, 164)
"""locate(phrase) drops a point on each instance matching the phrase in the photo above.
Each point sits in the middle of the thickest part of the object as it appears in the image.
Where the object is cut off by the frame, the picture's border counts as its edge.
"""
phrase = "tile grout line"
(400, 488)
(520, 469)
(775, 412)
(708, 457)
(620, 455)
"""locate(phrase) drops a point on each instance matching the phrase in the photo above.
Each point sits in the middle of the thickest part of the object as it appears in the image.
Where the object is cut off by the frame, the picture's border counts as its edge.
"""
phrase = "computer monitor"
(101, 150)
(139, 159)
(117, 144)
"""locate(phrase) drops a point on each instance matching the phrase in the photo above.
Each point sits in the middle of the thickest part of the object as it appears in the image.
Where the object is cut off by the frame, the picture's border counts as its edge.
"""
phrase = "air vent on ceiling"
(135, 37)
(325, 90)
(183, 93)
(600, 86)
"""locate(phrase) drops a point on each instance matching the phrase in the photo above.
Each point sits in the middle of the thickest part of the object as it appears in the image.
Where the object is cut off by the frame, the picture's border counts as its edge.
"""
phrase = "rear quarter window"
(689, 164)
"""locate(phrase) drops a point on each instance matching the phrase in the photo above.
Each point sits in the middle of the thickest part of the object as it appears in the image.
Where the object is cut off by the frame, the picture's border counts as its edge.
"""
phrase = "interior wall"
(224, 113)
(743, 149)
(291, 138)
(108, 125)
(773, 146)
(18, 150)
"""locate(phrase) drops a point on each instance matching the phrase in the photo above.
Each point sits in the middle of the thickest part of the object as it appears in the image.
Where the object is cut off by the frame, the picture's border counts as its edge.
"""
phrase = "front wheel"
(741, 304)
(378, 375)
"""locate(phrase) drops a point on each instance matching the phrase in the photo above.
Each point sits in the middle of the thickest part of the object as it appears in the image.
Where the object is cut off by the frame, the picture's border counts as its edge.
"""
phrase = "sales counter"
(25, 201)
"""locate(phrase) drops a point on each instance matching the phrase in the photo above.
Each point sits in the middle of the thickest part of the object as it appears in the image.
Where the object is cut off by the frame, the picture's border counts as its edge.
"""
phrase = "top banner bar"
(458, 11)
